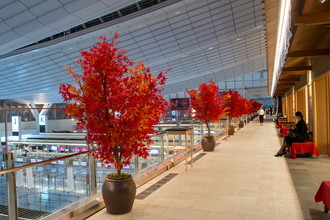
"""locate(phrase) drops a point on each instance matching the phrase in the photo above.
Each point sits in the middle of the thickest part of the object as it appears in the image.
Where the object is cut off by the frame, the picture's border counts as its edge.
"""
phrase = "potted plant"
(249, 110)
(117, 102)
(233, 104)
(255, 106)
(207, 106)
(244, 109)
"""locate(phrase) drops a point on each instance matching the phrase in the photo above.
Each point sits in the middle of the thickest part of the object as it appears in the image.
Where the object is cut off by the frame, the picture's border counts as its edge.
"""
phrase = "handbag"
(292, 133)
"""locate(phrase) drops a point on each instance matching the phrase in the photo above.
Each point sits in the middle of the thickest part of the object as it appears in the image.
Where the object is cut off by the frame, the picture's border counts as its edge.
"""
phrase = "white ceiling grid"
(199, 39)
(24, 22)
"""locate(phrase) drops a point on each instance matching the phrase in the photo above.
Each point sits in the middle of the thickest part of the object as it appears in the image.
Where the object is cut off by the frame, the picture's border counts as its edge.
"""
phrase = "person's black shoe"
(279, 154)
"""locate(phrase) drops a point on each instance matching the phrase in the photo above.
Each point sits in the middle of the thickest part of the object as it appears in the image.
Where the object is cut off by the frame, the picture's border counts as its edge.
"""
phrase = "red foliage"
(248, 107)
(234, 103)
(207, 103)
(237, 105)
(255, 106)
(115, 102)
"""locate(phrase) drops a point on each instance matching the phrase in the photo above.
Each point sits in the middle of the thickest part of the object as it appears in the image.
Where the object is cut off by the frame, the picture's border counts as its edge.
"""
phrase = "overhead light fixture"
(322, 1)
(210, 48)
(281, 42)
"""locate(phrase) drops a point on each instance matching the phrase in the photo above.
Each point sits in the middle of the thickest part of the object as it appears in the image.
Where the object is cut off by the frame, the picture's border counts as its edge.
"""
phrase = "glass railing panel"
(157, 154)
(197, 133)
(44, 189)
(3, 195)
(47, 188)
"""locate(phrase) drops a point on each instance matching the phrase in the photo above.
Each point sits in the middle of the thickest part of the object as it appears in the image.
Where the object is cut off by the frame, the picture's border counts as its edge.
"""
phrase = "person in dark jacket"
(300, 135)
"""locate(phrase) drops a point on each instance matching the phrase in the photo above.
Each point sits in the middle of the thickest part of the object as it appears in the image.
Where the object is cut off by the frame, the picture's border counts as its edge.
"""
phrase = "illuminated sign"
(15, 123)
(76, 149)
(153, 152)
(42, 119)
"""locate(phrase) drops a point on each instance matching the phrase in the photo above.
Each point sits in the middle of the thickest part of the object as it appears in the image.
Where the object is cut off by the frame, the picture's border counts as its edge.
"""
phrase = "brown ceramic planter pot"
(208, 144)
(241, 124)
(118, 195)
(231, 130)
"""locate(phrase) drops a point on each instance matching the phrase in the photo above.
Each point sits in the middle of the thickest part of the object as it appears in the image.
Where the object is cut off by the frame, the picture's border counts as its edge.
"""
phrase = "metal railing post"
(92, 172)
(136, 164)
(162, 150)
(11, 179)
(11, 189)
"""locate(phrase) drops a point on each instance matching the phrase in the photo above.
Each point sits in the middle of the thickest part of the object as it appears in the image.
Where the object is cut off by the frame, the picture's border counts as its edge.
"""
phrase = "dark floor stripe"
(25, 213)
(199, 156)
(155, 186)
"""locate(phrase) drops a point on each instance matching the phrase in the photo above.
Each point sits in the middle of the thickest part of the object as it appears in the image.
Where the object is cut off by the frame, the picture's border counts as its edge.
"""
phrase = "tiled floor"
(307, 175)
(240, 180)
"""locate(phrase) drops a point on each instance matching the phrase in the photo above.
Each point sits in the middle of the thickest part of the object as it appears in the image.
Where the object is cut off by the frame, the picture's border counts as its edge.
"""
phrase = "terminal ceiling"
(199, 39)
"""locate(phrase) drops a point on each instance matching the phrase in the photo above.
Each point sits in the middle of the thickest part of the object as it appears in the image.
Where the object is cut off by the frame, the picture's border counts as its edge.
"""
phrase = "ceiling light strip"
(283, 41)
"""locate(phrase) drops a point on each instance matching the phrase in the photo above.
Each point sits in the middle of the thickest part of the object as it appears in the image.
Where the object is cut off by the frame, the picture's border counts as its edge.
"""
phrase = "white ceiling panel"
(77, 6)
(28, 27)
(12, 9)
(5, 3)
(53, 16)
(4, 28)
(8, 36)
(45, 7)
(215, 8)
(20, 19)
(176, 18)
(199, 39)
(91, 11)
(31, 3)
(203, 10)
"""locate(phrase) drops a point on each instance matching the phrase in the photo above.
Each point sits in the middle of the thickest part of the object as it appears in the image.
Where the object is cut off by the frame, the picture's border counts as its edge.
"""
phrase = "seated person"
(300, 131)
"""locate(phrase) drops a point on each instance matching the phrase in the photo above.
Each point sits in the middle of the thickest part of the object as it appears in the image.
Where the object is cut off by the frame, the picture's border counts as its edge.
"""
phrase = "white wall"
(30, 126)
(63, 124)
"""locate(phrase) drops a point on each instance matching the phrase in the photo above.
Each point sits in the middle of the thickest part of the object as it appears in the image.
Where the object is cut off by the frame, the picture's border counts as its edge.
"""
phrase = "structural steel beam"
(313, 19)
(298, 31)
(309, 53)
(297, 68)
(301, 72)
(286, 84)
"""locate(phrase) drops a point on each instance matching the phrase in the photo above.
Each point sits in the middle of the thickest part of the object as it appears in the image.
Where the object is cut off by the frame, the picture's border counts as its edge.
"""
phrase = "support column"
(35, 114)
(11, 189)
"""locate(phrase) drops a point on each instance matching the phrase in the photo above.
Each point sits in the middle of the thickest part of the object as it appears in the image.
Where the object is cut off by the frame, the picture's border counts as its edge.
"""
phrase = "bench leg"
(326, 210)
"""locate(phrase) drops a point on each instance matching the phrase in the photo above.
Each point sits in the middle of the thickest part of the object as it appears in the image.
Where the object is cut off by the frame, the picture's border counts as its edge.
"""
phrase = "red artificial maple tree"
(255, 106)
(248, 107)
(245, 106)
(207, 103)
(116, 102)
(234, 103)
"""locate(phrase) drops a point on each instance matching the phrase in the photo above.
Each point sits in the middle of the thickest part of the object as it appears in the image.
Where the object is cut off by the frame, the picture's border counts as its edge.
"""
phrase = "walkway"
(240, 180)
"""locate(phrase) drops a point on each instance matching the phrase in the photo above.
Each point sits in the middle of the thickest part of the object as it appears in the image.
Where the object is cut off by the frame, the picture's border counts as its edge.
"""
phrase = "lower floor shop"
(241, 179)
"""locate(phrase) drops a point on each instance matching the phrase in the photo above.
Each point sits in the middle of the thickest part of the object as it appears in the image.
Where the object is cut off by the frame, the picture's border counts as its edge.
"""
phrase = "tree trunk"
(208, 129)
